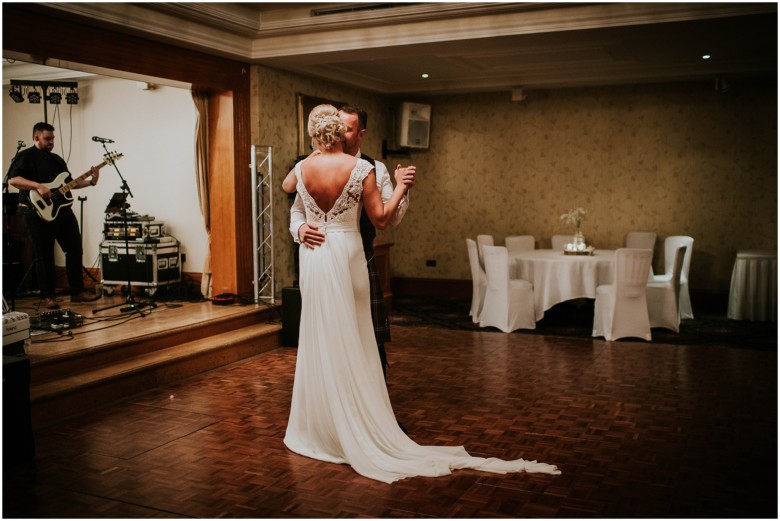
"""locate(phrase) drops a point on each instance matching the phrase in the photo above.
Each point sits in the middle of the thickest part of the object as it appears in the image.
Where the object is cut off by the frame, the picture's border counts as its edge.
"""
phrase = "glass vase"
(579, 240)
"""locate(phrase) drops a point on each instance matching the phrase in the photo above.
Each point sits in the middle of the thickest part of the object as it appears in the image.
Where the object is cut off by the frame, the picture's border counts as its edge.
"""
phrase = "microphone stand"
(81, 234)
(8, 210)
(132, 305)
(19, 146)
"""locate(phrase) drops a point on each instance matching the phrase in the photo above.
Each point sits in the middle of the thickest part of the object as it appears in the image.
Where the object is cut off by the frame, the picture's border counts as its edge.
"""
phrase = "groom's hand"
(310, 236)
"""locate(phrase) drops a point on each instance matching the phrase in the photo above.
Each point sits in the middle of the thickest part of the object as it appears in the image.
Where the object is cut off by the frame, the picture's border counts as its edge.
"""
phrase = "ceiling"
(464, 47)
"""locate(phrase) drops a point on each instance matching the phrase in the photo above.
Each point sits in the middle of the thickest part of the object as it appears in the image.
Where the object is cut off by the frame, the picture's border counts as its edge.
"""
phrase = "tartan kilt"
(378, 309)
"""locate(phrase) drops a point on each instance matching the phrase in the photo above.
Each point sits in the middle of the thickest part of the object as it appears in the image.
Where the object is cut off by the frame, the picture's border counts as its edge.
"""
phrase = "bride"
(340, 409)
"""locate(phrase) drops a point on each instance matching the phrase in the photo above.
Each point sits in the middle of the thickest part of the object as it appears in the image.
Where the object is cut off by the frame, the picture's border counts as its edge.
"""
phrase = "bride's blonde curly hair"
(325, 126)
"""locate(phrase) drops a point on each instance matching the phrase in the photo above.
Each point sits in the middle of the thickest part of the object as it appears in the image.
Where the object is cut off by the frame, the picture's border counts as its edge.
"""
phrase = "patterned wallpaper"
(677, 159)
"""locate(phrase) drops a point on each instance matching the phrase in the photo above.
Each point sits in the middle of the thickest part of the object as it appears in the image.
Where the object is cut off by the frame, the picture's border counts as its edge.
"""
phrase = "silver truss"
(262, 231)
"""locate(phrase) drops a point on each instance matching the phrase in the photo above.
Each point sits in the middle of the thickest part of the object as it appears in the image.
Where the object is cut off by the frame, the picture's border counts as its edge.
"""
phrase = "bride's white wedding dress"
(340, 409)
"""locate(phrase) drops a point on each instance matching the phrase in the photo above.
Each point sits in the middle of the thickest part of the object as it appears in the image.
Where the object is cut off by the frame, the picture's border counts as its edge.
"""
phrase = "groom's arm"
(307, 234)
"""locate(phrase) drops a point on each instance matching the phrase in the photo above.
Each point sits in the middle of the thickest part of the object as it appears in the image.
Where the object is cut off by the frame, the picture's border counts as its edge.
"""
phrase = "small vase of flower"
(575, 217)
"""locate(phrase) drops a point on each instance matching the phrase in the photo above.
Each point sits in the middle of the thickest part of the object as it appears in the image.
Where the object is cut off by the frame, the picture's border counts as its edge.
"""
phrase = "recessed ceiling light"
(705, 56)
(424, 75)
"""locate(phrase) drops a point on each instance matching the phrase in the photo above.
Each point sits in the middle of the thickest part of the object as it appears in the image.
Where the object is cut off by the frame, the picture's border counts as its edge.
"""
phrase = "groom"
(356, 120)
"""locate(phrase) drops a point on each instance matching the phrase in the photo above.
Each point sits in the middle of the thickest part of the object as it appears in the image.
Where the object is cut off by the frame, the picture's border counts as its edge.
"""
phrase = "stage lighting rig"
(16, 94)
(72, 97)
(34, 95)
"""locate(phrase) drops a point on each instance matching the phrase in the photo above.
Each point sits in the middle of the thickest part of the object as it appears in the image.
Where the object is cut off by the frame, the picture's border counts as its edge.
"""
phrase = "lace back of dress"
(347, 206)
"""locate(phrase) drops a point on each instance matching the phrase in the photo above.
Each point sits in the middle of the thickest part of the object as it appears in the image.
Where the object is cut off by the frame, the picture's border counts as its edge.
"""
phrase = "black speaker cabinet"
(291, 316)
(18, 441)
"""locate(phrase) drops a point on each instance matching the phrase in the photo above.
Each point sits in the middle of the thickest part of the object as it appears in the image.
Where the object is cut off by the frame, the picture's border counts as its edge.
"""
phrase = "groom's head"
(355, 119)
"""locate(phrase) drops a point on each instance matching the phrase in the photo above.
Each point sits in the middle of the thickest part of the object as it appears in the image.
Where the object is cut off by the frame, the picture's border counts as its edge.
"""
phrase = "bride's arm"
(290, 182)
(288, 185)
(380, 213)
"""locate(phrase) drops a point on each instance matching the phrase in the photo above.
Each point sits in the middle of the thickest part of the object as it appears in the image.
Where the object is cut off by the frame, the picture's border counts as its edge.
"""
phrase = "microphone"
(20, 144)
(102, 139)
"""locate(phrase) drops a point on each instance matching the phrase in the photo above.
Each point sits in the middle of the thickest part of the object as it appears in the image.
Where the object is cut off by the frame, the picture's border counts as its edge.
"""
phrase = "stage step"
(82, 382)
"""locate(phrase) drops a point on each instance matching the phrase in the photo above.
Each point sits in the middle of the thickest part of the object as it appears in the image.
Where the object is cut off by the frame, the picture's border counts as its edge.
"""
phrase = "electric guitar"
(47, 208)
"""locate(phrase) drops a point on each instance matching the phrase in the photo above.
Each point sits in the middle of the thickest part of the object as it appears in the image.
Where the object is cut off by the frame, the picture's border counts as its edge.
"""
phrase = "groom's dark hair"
(361, 114)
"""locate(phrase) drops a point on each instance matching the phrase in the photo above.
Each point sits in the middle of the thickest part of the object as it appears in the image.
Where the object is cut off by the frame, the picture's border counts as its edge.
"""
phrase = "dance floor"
(709, 327)
(638, 429)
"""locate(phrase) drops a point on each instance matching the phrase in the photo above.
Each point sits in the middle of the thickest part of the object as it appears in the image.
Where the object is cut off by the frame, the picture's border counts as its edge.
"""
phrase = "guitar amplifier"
(136, 230)
(149, 264)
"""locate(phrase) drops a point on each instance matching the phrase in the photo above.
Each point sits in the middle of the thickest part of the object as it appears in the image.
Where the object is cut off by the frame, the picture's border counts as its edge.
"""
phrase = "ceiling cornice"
(466, 47)
(400, 14)
(237, 30)
(232, 17)
(487, 24)
(138, 19)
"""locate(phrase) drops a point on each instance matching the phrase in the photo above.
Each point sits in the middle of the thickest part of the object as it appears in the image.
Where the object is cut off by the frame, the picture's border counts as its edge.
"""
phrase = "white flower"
(574, 216)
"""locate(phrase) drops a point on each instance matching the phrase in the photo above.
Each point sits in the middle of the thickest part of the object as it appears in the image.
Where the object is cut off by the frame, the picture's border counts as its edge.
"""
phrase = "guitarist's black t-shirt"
(36, 165)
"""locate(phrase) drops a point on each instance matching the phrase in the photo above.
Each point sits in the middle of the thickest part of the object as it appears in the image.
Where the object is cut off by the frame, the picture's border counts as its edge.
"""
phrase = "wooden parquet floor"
(639, 431)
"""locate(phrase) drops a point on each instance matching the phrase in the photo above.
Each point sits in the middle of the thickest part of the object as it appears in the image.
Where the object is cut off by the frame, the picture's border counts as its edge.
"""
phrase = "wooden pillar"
(221, 189)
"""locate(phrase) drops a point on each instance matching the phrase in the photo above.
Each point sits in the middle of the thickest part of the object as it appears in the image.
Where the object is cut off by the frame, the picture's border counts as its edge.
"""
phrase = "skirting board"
(444, 288)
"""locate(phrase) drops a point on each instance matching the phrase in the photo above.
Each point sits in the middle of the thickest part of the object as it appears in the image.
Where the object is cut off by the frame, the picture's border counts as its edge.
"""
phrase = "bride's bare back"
(325, 176)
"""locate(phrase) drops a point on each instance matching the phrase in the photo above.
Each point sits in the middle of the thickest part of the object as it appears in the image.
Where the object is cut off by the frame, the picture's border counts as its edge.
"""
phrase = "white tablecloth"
(557, 277)
(753, 292)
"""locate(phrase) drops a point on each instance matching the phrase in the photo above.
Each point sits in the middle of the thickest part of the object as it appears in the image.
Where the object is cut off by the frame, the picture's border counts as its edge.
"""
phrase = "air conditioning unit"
(415, 127)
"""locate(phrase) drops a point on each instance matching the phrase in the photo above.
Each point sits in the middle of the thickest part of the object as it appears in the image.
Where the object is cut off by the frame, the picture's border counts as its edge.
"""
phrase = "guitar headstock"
(111, 157)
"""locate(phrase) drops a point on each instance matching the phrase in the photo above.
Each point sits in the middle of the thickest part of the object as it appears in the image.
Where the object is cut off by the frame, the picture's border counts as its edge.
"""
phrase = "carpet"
(575, 319)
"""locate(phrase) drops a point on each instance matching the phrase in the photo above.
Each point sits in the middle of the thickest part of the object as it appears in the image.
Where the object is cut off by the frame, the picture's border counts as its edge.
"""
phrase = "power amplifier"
(136, 230)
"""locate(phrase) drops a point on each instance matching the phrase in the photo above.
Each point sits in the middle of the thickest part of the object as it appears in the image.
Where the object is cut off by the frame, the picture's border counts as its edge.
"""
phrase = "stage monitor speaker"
(291, 316)
(415, 127)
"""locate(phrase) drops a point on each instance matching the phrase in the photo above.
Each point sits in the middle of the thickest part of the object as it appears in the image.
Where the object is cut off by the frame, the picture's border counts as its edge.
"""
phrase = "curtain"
(200, 97)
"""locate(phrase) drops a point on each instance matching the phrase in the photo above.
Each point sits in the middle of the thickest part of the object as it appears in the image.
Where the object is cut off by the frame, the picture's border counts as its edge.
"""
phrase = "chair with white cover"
(509, 303)
(478, 281)
(517, 243)
(670, 248)
(621, 307)
(663, 296)
(483, 240)
(559, 242)
(642, 240)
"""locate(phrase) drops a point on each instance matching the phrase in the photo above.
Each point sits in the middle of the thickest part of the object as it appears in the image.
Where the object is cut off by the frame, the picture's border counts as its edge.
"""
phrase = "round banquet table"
(753, 291)
(557, 277)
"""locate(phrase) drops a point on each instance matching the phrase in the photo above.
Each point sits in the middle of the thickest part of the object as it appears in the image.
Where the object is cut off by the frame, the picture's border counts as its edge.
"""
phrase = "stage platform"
(90, 354)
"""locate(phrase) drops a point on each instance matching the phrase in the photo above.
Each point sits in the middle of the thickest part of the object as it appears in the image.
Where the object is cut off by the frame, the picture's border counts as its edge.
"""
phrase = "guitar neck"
(69, 186)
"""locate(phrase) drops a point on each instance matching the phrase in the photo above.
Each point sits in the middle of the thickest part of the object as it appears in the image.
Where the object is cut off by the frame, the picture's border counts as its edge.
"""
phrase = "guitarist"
(33, 168)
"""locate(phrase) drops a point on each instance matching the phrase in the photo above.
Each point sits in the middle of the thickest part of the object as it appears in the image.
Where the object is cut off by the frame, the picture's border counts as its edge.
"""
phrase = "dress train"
(340, 410)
